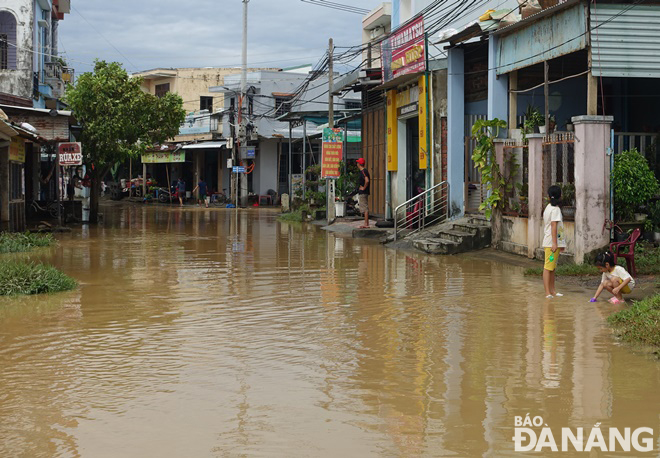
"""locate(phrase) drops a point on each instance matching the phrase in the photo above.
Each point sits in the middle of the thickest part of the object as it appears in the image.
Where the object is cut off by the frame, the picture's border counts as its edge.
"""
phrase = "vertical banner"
(331, 155)
(392, 133)
(423, 124)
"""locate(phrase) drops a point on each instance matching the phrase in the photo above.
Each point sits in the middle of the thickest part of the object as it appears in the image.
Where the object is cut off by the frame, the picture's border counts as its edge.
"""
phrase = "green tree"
(633, 183)
(118, 120)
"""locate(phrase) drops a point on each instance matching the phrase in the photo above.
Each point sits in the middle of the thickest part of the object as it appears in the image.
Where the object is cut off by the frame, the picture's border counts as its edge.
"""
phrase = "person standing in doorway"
(203, 197)
(181, 190)
(363, 192)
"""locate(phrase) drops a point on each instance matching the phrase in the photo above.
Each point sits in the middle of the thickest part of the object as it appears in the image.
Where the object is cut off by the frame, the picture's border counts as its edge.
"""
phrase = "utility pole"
(329, 182)
(546, 96)
(241, 179)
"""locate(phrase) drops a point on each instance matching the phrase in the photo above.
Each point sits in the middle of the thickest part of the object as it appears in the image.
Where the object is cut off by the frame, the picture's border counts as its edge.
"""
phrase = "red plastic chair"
(630, 254)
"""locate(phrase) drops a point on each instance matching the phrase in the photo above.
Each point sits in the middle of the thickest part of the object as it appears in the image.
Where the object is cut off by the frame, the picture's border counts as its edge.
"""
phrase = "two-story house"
(31, 73)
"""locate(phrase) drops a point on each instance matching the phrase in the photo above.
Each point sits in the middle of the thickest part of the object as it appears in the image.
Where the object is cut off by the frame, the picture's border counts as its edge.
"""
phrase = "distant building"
(32, 79)
(272, 95)
(200, 135)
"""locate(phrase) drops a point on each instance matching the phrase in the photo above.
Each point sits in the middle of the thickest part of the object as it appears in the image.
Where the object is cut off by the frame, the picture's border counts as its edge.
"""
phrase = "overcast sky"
(203, 33)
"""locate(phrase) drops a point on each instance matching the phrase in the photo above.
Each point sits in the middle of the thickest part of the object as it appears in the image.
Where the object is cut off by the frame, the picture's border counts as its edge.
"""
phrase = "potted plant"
(569, 125)
(552, 124)
(652, 223)
(568, 200)
(346, 183)
(533, 120)
(633, 184)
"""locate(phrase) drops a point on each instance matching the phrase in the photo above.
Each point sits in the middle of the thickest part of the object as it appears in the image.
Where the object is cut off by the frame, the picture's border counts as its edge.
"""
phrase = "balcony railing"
(53, 70)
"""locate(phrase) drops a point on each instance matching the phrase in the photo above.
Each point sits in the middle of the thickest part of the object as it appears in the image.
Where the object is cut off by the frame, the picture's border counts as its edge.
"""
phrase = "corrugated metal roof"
(626, 43)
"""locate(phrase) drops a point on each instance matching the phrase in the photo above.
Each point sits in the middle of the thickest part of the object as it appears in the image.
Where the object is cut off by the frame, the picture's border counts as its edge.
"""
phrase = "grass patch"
(291, 217)
(647, 262)
(11, 242)
(18, 278)
(640, 323)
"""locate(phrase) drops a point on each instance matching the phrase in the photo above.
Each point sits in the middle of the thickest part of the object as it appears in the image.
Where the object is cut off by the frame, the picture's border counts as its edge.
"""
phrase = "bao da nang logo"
(533, 435)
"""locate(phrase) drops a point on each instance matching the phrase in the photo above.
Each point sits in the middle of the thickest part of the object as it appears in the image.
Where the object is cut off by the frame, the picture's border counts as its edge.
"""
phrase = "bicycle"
(220, 198)
(616, 233)
(50, 208)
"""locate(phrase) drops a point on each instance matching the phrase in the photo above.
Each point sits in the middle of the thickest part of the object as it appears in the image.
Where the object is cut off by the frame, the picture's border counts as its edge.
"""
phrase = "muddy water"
(194, 334)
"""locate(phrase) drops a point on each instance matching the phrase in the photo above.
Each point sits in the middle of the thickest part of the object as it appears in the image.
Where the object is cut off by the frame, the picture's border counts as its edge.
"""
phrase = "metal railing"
(627, 140)
(423, 210)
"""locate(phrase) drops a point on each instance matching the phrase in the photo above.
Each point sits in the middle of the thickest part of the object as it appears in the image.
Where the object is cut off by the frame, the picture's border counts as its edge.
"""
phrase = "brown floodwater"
(197, 334)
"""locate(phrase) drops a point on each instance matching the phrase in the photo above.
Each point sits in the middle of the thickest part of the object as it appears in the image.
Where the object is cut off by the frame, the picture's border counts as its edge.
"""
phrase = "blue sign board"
(238, 169)
(251, 152)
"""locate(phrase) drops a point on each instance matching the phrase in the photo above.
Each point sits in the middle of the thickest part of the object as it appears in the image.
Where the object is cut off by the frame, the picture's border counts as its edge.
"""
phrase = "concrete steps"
(472, 233)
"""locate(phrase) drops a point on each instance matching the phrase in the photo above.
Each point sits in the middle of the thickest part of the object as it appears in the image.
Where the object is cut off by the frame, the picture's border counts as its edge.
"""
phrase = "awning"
(206, 145)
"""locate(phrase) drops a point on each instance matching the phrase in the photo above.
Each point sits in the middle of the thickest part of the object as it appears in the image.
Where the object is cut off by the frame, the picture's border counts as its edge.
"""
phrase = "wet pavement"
(196, 333)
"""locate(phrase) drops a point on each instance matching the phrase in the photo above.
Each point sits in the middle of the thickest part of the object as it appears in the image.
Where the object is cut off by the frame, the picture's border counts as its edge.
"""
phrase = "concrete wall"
(266, 167)
(19, 82)
(514, 235)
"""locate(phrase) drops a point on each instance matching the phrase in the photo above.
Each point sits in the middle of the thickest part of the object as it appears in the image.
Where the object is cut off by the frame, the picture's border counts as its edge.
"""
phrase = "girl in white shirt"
(553, 240)
(615, 278)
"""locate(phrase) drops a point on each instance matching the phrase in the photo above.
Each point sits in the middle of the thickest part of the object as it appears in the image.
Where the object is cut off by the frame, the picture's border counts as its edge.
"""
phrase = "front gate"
(559, 169)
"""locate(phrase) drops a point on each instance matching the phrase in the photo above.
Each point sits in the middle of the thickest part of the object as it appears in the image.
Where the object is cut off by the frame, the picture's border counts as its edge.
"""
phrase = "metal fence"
(559, 169)
(624, 141)
(516, 202)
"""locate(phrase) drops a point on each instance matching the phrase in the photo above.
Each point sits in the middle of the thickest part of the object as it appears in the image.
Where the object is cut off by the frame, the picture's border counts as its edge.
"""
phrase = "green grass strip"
(647, 262)
(640, 323)
(15, 242)
(21, 278)
(291, 217)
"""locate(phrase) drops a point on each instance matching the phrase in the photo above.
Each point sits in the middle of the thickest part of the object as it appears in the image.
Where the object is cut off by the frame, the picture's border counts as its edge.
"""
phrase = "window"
(7, 41)
(162, 89)
(352, 104)
(4, 52)
(282, 105)
(206, 103)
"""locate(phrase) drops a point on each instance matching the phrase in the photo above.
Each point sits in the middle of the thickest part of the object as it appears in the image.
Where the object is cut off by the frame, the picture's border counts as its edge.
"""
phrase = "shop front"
(407, 114)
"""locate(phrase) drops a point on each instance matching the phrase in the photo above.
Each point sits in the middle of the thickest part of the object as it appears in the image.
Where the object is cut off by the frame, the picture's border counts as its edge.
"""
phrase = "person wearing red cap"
(363, 192)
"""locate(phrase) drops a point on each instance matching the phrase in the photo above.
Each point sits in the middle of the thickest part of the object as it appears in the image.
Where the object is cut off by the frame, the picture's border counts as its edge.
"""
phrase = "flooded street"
(195, 335)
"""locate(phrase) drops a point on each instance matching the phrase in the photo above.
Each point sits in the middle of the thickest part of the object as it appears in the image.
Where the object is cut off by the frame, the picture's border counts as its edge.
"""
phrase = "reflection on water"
(195, 333)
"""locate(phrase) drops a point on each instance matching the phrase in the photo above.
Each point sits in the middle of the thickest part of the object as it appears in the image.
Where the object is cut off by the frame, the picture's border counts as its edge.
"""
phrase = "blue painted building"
(602, 60)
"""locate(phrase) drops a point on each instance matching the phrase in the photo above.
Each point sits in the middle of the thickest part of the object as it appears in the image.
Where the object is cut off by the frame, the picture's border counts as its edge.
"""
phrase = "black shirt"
(364, 173)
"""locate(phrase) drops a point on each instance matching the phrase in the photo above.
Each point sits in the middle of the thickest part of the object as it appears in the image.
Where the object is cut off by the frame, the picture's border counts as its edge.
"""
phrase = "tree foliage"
(485, 132)
(118, 119)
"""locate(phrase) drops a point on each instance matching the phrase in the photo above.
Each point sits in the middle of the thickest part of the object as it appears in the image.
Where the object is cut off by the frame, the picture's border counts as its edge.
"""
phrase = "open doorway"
(415, 179)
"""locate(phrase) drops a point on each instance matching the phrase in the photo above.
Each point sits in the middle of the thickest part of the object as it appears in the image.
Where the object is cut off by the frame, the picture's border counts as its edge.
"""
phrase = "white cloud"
(203, 33)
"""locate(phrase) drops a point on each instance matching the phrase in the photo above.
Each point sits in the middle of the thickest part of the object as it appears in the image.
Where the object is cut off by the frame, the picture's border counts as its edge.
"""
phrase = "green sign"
(163, 157)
